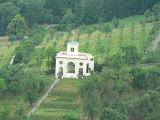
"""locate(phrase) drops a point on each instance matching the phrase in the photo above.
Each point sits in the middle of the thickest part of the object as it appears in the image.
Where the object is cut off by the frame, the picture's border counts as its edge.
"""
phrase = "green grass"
(62, 100)
(6, 53)
(111, 44)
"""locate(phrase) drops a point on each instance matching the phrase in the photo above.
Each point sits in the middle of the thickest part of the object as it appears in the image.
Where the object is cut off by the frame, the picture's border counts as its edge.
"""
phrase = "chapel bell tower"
(72, 48)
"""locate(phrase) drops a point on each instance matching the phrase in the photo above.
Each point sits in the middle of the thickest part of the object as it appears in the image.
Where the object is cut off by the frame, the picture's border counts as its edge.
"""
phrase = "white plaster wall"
(77, 66)
(69, 46)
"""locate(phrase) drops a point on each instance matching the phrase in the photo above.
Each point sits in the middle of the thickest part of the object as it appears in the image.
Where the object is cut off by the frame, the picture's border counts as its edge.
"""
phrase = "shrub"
(71, 116)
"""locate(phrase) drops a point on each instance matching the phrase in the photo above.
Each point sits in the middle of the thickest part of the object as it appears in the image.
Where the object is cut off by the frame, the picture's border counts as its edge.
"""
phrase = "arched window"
(71, 67)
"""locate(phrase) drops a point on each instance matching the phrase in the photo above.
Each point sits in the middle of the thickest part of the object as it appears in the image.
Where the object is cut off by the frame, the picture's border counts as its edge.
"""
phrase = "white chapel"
(72, 63)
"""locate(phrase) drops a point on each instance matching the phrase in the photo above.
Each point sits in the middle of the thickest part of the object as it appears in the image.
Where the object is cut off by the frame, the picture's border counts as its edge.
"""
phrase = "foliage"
(111, 114)
(2, 85)
(17, 25)
(115, 22)
(7, 11)
(71, 12)
(50, 54)
(5, 113)
(106, 29)
(71, 116)
(69, 17)
(20, 112)
(88, 94)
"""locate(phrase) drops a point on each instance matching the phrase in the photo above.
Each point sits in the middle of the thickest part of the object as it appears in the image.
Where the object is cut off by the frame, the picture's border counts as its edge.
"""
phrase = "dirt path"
(154, 44)
(40, 101)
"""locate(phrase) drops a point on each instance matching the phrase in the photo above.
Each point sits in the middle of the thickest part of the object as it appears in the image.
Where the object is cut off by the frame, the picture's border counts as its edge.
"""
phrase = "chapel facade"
(72, 63)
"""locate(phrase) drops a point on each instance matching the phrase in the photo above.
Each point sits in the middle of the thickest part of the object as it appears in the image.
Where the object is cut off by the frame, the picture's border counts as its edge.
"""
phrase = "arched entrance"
(71, 67)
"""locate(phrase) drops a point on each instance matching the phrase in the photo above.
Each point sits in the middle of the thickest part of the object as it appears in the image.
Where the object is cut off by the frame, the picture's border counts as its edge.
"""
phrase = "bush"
(71, 116)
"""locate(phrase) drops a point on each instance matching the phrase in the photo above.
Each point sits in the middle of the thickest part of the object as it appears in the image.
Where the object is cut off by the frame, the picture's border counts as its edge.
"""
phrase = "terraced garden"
(62, 100)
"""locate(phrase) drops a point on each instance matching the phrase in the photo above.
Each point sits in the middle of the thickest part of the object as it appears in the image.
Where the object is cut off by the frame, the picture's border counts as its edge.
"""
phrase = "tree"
(69, 17)
(86, 48)
(50, 54)
(153, 75)
(13, 75)
(121, 107)
(23, 52)
(130, 55)
(71, 116)
(133, 34)
(34, 11)
(20, 112)
(143, 35)
(52, 33)
(2, 85)
(116, 61)
(115, 22)
(88, 95)
(141, 106)
(139, 78)
(111, 114)
(121, 35)
(31, 97)
(7, 11)
(101, 49)
(39, 56)
(105, 84)
(121, 87)
(5, 114)
(89, 15)
(156, 10)
(106, 29)
(17, 25)
(89, 31)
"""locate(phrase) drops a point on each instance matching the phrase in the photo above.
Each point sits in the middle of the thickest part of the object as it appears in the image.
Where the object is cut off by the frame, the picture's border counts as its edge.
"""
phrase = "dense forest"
(69, 13)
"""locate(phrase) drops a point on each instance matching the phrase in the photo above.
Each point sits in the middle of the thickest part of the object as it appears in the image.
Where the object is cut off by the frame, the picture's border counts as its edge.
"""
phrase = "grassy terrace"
(62, 100)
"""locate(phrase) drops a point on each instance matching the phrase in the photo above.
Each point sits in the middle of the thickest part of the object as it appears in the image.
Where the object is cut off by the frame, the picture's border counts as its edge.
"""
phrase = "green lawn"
(62, 100)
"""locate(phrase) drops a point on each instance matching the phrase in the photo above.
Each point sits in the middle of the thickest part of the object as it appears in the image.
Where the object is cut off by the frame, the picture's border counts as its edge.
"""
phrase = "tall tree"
(34, 11)
(88, 95)
(111, 114)
(17, 25)
(50, 54)
(2, 85)
(7, 11)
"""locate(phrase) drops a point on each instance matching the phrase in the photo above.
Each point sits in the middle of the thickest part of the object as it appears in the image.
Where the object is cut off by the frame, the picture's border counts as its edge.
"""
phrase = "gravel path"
(40, 101)
(155, 43)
